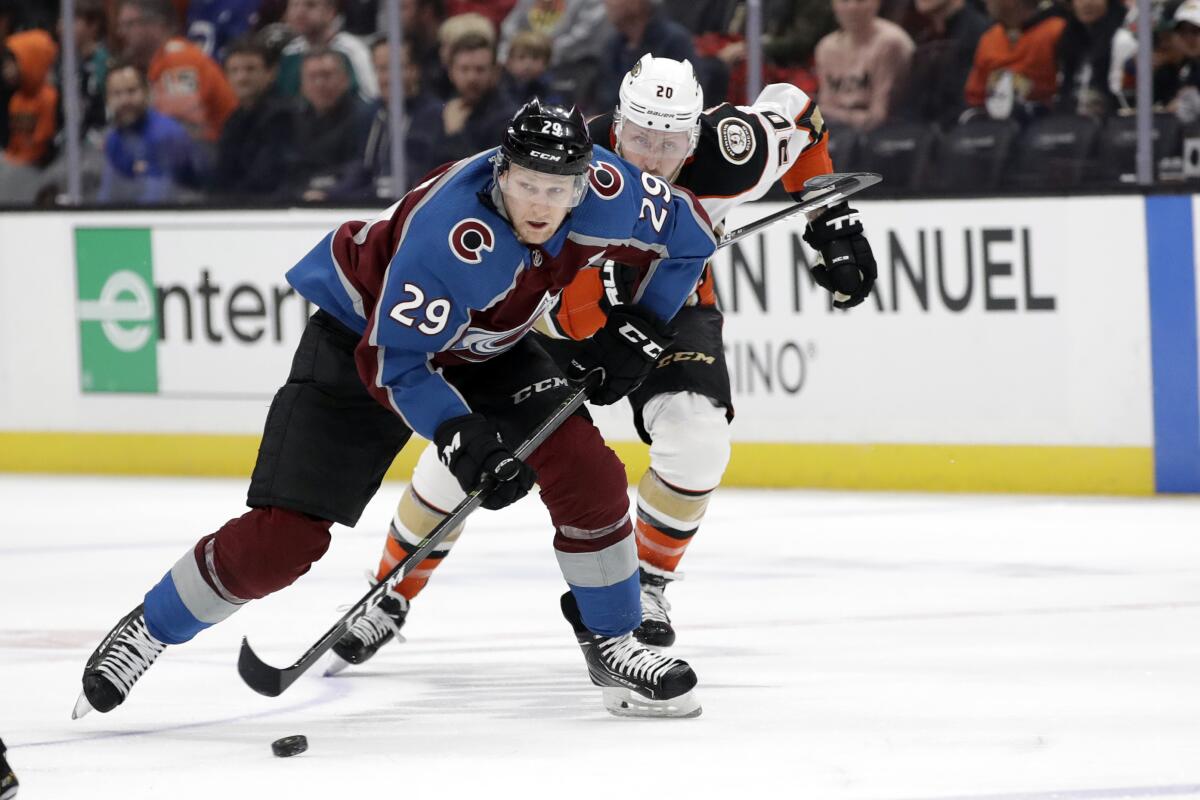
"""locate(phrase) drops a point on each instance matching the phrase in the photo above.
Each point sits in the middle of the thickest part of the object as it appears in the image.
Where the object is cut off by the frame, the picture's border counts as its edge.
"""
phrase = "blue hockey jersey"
(440, 278)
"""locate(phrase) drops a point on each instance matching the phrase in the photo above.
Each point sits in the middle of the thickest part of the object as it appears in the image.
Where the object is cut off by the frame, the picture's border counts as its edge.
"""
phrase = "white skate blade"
(334, 665)
(623, 702)
(82, 707)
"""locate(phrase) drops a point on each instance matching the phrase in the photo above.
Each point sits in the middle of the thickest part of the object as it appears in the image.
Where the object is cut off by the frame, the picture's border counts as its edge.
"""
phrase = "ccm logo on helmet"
(544, 156)
(606, 179)
(471, 237)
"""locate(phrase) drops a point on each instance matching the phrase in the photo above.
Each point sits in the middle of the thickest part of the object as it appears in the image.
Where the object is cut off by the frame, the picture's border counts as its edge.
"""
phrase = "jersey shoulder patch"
(730, 157)
(735, 137)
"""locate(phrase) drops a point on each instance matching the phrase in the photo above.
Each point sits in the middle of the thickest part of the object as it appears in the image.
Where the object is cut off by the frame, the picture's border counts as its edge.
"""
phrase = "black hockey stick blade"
(273, 681)
(820, 192)
(270, 681)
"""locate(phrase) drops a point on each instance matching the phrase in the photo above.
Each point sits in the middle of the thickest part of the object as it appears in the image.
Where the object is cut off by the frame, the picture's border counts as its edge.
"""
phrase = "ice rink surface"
(848, 646)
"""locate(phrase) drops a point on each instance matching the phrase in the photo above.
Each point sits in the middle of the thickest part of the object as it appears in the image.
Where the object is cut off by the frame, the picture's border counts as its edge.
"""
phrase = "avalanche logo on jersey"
(737, 140)
(480, 344)
(606, 180)
(469, 238)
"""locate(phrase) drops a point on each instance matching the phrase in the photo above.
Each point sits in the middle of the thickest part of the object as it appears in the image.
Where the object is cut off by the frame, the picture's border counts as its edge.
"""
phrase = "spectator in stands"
(946, 34)
(477, 112)
(32, 107)
(149, 157)
(526, 74)
(577, 30)
(185, 83)
(91, 34)
(1177, 78)
(1015, 73)
(255, 146)
(317, 25)
(371, 179)
(331, 131)
(213, 25)
(1092, 55)
(862, 66)
(641, 27)
(449, 32)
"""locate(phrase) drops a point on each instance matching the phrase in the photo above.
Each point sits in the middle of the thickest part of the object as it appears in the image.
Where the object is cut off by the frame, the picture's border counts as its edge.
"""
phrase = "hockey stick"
(820, 192)
(272, 681)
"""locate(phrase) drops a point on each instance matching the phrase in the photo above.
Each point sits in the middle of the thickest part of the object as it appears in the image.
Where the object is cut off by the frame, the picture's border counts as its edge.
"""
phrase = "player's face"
(537, 203)
(658, 152)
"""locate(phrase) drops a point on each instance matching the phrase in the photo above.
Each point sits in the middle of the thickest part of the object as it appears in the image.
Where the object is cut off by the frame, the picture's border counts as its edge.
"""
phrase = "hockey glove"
(471, 447)
(847, 266)
(624, 350)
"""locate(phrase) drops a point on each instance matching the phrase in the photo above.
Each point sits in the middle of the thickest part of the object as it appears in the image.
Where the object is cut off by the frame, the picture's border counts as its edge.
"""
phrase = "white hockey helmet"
(661, 94)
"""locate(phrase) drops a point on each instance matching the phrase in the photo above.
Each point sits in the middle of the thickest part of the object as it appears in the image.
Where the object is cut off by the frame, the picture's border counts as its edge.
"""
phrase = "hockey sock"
(413, 521)
(667, 519)
(584, 488)
(250, 557)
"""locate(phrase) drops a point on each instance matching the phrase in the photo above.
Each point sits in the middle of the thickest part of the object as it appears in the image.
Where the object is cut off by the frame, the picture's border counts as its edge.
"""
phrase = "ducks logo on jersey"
(737, 140)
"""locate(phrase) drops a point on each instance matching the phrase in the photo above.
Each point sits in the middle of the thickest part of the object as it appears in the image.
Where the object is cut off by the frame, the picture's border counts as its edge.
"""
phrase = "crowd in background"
(285, 101)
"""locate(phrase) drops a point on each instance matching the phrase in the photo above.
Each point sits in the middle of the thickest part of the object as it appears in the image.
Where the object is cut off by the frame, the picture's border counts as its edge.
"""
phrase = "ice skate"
(378, 626)
(635, 681)
(656, 629)
(8, 779)
(126, 652)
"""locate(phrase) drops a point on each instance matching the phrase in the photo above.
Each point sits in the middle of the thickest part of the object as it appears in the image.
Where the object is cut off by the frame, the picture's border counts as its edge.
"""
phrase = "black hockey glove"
(471, 447)
(624, 350)
(848, 265)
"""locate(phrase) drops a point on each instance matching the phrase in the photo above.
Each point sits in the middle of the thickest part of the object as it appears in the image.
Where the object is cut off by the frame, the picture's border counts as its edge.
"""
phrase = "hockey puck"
(289, 746)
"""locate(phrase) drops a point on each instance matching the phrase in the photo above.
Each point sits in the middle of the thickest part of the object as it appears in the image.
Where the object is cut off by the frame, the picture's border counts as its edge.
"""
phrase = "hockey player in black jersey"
(726, 156)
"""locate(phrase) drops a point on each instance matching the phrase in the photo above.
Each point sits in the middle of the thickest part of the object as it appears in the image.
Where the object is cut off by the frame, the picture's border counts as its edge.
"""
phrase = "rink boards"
(1041, 345)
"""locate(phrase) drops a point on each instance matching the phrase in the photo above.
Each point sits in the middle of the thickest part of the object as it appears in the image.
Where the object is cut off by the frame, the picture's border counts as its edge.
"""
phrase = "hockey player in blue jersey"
(421, 326)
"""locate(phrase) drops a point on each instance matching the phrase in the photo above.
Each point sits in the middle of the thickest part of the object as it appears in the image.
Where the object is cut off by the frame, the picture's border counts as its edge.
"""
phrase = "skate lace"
(130, 655)
(377, 622)
(654, 603)
(627, 655)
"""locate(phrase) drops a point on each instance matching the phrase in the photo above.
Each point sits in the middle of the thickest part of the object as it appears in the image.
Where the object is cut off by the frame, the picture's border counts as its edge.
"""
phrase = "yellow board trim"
(913, 467)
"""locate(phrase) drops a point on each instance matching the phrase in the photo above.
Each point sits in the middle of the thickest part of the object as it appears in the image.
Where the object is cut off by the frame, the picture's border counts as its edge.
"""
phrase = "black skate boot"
(655, 630)
(109, 675)
(636, 681)
(8, 780)
(370, 632)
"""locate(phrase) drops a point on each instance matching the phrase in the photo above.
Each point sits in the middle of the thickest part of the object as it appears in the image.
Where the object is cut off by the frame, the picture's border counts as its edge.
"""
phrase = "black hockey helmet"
(547, 138)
